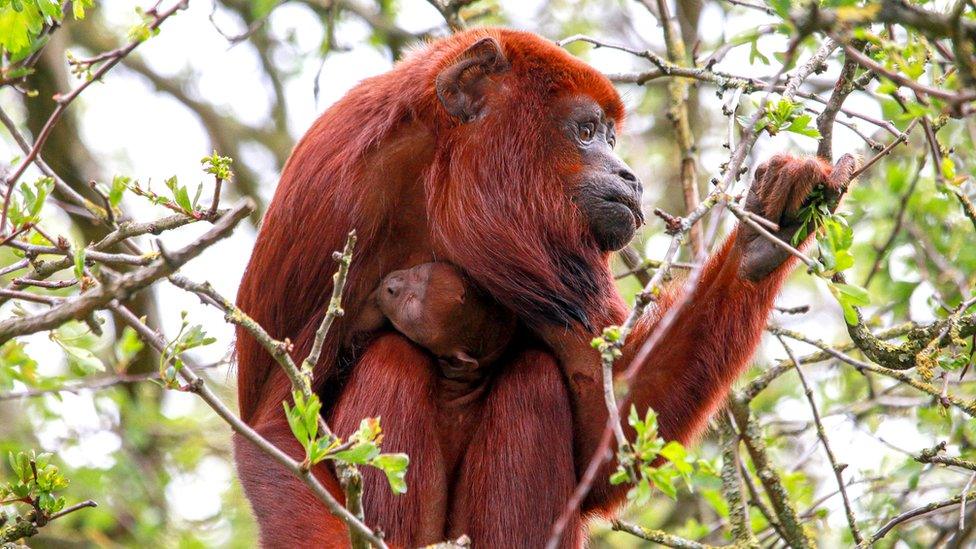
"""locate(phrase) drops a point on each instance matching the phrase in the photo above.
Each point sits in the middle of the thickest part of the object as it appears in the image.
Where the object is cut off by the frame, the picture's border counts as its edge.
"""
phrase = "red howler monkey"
(491, 150)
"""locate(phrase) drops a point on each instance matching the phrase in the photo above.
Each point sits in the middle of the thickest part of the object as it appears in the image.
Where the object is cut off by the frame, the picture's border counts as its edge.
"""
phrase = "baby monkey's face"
(422, 303)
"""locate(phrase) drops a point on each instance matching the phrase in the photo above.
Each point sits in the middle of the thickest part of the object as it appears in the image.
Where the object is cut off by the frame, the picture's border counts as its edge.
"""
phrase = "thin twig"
(822, 434)
(71, 509)
(98, 297)
(899, 219)
(966, 406)
(918, 512)
(678, 115)
(778, 496)
(196, 385)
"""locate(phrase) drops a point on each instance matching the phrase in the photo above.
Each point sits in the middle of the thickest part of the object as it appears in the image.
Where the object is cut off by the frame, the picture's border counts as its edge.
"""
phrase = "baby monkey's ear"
(465, 359)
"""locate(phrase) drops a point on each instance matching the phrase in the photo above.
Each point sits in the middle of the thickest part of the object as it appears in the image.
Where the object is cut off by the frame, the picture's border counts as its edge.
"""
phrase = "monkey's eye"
(612, 140)
(586, 132)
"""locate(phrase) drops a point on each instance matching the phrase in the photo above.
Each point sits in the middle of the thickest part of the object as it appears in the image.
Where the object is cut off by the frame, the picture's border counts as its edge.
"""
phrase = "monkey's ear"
(462, 86)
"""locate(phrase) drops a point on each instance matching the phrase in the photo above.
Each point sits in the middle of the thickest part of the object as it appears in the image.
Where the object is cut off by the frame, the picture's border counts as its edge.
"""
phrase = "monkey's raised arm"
(690, 371)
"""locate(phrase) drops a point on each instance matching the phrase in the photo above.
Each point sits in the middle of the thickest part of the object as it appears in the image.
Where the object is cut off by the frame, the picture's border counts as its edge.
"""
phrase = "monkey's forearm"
(688, 374)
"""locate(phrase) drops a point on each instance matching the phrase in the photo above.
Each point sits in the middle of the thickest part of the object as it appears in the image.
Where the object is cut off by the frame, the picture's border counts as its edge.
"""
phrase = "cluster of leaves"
(35, 482)
(608, 344)
(143, 30)
(17, 366)
(22, 23)
(25, 207)
(834, 241)
(361, 448)
(834, 245)
(81, 355)
(650, 461)
(179, 199)
(785, 115)
(218, 166)
(189, 337)
(77, 342)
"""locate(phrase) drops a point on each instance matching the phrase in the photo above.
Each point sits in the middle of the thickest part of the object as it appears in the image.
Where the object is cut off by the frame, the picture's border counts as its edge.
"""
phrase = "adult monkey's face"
(606, 190)
(526, 194)
(483, 90)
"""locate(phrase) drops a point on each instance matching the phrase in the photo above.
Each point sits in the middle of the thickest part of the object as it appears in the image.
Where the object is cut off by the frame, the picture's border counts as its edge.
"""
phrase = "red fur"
(391, 368)
(518, 472)
(688, 376)
(488, 196)
(290, 514)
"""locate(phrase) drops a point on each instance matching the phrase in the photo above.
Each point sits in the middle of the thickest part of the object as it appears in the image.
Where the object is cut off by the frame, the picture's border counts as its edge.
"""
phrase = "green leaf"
(948, 168)
(619, 476)
(261, 8)
(850, 296)
(19, 29)
(662, 480)
(855, 294)
(311, 416)
(359, 454)
(78, 7)
(52, 8)
(754, 54)
(79, 263)
(801, 125)
(119, 184)
(82, 360)
(294, 416)
(395, 466)
(42, 460)
(127, 347)
(43, 186)
(632, 418)
(218, 165)
(952, 362)
(675, 453)
(844, 260)
(369, 430)
(716, 502)
(180, 195)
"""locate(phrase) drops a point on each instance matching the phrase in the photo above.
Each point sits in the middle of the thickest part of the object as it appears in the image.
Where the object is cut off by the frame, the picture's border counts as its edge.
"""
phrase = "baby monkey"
(437, 307)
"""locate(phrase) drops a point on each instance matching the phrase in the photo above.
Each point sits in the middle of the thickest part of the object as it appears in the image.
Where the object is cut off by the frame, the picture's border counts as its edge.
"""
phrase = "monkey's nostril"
(627, 175)
(393, 285)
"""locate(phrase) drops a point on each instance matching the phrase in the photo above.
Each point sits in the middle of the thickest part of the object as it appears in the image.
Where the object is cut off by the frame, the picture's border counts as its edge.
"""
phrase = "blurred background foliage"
(249, 77)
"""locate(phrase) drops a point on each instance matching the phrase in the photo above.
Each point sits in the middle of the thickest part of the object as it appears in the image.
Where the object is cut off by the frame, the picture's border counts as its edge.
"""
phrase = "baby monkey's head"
(437, 307)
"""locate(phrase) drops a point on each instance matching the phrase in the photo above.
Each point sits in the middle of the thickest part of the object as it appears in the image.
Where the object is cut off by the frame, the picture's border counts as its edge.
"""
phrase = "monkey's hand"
(782, 187)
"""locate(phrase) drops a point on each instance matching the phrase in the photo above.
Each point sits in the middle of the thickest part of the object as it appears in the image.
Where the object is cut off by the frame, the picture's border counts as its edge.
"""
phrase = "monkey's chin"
(615, 227)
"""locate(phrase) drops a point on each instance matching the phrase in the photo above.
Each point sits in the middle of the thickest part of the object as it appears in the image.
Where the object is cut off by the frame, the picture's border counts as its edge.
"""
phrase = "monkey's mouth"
(614, 220)
(631, 203)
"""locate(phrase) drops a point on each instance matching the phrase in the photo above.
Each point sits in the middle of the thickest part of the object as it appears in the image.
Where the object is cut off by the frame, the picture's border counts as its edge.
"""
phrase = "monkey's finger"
(763, 183)
(841, 178)
(844, 168)
(803, 176)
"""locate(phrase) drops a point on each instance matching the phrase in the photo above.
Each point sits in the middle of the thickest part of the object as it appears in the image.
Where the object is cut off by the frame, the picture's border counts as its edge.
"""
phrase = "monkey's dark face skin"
(606, 190)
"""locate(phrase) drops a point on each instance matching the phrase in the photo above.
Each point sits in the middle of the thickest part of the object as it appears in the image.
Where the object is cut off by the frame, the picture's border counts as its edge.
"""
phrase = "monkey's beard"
(524, 244)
